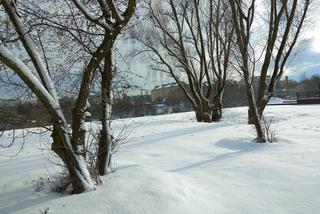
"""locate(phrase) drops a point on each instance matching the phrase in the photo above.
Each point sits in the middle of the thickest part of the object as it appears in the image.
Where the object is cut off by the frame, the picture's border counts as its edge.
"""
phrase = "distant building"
(169, 91)
(170, 98)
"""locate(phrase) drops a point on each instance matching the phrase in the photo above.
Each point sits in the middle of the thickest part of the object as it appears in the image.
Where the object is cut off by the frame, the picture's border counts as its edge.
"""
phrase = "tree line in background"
(49, 45)
(18, 114)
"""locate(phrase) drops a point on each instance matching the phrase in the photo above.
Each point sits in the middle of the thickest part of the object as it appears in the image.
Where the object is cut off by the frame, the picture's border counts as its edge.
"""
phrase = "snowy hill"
(173, 165)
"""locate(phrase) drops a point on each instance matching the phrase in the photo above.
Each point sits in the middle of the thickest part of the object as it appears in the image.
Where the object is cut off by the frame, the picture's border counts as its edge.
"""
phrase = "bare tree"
(68, 144)
(283, 26)
(191, 41)
(107, 75)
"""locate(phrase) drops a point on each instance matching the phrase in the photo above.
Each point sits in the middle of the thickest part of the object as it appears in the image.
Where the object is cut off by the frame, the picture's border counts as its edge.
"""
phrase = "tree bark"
(254, 116)
(217, 109)
(106, 140)
(199, 115)
(76, 165)
(78, 113)
(261, 105)
(203, 113)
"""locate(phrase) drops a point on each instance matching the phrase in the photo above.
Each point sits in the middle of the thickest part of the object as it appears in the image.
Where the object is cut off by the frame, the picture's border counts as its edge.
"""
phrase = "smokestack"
(286, 83)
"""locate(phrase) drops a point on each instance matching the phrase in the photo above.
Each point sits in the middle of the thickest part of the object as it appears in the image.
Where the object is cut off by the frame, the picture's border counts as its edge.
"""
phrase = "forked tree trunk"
(76, 164)
(261, 105)
(255, 117)
(106, 140)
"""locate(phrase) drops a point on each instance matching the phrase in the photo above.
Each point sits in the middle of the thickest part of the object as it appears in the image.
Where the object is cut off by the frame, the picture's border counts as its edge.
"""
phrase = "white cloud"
(312, 27)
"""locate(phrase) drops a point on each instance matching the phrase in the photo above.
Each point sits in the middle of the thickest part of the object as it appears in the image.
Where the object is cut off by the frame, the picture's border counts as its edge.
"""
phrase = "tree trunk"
(106, 140)
(261, 105)
(203, 114)
(250, 116)
(217, 109)
(199, 115)
(254, 116)
(76, 164)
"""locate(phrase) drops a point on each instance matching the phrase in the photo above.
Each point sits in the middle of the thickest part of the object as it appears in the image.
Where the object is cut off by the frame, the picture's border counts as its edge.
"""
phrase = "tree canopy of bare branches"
(191, 42)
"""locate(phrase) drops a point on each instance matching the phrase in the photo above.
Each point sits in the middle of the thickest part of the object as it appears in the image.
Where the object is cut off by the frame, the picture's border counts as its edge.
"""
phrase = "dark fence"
(308, 97)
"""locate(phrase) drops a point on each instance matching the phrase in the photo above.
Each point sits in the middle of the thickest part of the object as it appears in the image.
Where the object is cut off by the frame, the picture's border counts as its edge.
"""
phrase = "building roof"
(167, 85)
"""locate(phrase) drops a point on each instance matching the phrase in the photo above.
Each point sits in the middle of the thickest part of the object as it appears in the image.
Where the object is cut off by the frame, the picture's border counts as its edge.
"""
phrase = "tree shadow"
(25, 198)
(237, 146)
(123, 167)
(156, 138)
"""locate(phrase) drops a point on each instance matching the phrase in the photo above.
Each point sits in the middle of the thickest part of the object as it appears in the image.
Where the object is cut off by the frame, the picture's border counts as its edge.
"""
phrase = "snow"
(173, 164)
(87, 114)
(83, 126)
(278, 100)
(84, 173)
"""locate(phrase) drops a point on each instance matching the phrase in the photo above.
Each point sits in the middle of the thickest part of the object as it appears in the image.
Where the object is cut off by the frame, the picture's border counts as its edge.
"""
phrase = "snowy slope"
(173, 164)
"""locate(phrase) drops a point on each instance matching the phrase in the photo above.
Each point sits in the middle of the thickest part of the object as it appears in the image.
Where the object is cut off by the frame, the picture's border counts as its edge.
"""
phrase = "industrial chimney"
(286, 84)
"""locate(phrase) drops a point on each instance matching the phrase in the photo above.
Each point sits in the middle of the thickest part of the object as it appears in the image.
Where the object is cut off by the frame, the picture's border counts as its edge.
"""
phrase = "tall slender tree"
(282, 28)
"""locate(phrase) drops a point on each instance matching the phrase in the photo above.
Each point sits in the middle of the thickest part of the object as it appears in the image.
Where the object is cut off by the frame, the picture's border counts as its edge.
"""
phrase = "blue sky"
(305, 64)
(307, 61)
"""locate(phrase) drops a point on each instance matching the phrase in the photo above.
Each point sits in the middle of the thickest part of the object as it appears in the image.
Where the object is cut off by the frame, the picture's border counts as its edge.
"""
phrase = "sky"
(307, 61)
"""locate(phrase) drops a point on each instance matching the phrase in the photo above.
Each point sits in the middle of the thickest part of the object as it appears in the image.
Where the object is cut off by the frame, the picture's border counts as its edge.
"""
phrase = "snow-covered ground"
(279, 101)
(174, 165)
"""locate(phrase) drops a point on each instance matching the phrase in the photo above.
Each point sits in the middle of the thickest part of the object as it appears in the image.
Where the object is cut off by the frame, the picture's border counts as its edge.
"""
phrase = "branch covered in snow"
(29, 46)
(91, 17)
(13, 62)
